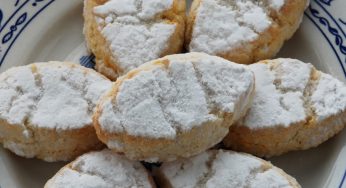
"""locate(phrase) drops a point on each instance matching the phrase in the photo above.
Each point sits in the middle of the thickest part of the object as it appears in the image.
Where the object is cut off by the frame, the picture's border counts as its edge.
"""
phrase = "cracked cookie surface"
(124, 34)
(295, 107)
(221, 168)
(104, 169)
(242, 31)
(46, 109)
(172, 107)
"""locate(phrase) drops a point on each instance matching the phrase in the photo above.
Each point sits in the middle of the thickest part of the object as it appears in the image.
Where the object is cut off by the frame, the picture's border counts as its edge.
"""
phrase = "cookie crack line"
(90, 174)
(308, 91)
(116, 109)
(13, 99)
(263, 4)
(83, 91)
(253, 172)
(39, 84)
(178, 129)
(207, 92)
(91, 105)
(210, 172)
(165, 114)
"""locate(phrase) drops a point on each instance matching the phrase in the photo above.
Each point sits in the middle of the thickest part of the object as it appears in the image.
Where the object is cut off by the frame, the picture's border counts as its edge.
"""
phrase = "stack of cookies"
(181, 113)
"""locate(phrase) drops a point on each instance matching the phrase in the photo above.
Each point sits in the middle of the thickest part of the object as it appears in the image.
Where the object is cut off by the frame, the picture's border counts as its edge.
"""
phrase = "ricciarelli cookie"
(176, 106)
(103, 169)
(242, 31)
(222, 169)
(295, 107)
(124, 34)
(46, 110)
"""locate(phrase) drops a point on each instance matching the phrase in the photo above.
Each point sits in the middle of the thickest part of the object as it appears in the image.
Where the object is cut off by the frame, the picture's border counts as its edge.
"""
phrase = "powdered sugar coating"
(50, 95)
(223, 169)
(101, 169)
(18, 90)
(223, 25)
(329, 98)
(292, 74)
(282, 94)
(187, 173)
(270, 178)
(276, 4)
(134, 33)
(279, 94)
(161, 101)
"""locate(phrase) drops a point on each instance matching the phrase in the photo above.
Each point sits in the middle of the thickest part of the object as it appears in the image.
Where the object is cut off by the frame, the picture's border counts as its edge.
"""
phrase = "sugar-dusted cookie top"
(289, 91)
(223, 25)
(219, 168)
(52, 95)
(329, 97)
(135, 31)
(295, 107)
(279, 97)
(240, 30)
(174, 95)
(173, 102)
(101, 169)
(46, 110)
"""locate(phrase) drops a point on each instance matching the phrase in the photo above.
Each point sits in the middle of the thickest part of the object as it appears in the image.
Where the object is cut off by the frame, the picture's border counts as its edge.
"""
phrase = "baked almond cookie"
(46, 110)
(219, 168)
(103, 169)
(295, 107)
(176, 106)
(242, 31)
(124, 34)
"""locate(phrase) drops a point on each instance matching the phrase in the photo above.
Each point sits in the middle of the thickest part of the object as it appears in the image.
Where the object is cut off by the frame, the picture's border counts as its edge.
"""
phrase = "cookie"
(242, 31)
(221, 168)
(124, 34)
(46, 110)
(101, 169)
(176, 106)
(295, 107)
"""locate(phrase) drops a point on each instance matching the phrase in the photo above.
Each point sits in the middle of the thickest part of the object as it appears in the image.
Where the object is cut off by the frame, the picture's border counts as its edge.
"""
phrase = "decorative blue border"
(87, 61)
(342, 180)
(330, 28)
(12, 26)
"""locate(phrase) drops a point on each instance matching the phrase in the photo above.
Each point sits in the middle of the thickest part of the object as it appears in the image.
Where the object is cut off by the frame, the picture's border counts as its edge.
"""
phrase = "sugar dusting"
(55, 96)
(102, 169)
(223, 169)
(161, 101)
(133, 31)
(279, 97)
(223, 25)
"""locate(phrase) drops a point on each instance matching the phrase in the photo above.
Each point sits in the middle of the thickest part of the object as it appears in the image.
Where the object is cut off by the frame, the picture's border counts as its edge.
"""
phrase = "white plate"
(42, 30)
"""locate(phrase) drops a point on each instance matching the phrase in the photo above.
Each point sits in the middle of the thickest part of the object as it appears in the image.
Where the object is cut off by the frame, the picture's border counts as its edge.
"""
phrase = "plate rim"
(24, 12)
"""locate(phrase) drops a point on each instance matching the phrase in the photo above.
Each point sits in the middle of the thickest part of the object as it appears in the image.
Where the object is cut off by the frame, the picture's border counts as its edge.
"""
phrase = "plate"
(42, 30)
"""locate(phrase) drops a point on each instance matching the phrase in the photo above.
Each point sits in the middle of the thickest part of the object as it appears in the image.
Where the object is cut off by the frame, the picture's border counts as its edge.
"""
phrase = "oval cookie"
(173, 107)
(221, 168)
(124, 34)
(242, 31)
(46, 110)
(295, 107)
(103, 169)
